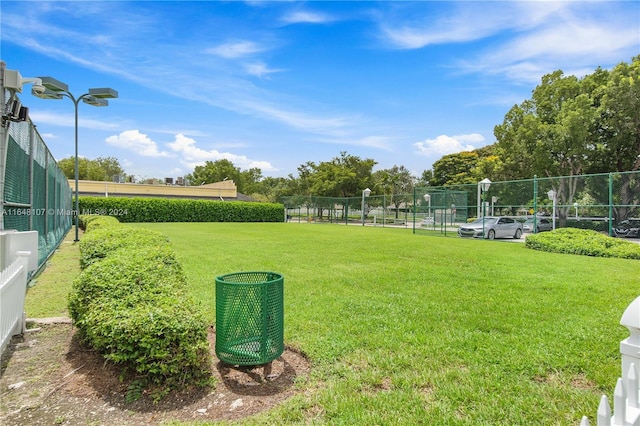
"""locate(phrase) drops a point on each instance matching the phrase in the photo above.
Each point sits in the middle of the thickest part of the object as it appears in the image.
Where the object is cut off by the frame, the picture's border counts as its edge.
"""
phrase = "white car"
(493, 227)
(542, 224)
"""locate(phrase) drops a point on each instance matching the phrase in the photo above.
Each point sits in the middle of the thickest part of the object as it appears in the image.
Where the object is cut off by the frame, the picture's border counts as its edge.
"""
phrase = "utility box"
(249, 317)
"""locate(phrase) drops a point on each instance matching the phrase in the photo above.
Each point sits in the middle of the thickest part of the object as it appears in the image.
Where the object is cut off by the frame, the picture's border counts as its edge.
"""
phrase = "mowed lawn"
(410, 329)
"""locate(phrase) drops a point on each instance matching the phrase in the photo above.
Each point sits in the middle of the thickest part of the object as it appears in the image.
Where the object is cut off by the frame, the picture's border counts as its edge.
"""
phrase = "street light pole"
(365, 193)
(483, 186)
(97, 97)
(552, 196)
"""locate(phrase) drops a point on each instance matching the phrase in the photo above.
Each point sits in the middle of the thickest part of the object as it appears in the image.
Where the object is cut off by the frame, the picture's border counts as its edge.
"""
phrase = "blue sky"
(274, 84)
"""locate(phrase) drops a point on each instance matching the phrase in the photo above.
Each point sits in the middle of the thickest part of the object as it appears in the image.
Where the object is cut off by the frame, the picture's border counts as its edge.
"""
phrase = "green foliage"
(180, 210)
(90, 223)
(130, 303)
(101, 169)
(572, 126)
(343, 176)
(105, 240)
(583, 241)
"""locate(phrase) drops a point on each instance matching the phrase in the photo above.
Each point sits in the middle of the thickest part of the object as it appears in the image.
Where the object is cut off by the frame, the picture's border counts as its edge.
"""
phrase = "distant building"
(225, 190)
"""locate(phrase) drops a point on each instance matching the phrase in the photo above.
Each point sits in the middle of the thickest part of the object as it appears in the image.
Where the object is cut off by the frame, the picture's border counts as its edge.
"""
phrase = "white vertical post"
(632, 386)
(604, 412)
(619, 403)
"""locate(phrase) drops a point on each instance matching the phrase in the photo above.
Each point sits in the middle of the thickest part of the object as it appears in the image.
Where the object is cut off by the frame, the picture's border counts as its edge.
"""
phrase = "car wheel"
(518, 234)
(537, 229)
(492, 234)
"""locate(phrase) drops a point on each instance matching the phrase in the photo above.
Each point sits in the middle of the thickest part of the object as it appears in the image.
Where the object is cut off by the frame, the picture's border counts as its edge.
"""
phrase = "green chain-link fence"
(598, 201)
(37, 195)
(378, 210)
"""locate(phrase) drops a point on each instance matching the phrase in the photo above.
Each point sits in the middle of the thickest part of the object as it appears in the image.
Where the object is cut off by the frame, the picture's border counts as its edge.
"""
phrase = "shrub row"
(130, 303)
(583, 241)
(180, 210)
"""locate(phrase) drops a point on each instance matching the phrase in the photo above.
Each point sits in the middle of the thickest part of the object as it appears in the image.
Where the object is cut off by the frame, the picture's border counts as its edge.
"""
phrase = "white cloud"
(192, 156)
(133, 140)
(525, 39)
(233, 50)
(467, 22)
(444, 145)
(305, 17)
(259, 69)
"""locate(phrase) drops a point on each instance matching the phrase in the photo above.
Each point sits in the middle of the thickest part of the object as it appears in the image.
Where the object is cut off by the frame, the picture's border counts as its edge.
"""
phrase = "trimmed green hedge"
(180, 210)
(98, 243)
(130, 303)
(582, 241)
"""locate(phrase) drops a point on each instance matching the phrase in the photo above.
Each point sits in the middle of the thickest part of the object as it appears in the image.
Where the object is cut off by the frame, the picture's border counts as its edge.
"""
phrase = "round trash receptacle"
(249, 317)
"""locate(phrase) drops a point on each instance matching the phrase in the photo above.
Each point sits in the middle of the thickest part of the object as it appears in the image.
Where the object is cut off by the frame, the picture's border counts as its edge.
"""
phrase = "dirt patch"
(48, 378)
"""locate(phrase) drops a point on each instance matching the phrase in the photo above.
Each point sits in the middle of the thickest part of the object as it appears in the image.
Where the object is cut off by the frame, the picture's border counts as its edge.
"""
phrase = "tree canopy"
(102, 168)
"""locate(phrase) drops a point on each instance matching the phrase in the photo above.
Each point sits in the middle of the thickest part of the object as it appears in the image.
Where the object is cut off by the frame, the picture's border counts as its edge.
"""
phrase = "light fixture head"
(103, 93)
(45, 94)
(54, 85)
(366, 192)
(92, 100)
(551, 194)
(427, 197)
(485, 184)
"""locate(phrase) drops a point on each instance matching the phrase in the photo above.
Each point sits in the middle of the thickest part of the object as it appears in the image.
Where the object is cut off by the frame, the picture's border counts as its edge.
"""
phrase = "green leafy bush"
(130, 303)
(181, 210)
(583, 241)
(102, 241)
(95, 221)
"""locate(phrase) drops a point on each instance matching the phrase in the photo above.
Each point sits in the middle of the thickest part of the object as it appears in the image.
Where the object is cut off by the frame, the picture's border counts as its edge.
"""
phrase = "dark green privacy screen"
(36, 195)
(249, 317)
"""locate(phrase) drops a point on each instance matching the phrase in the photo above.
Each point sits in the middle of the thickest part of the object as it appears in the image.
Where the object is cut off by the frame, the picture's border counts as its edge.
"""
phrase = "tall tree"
(215, 171)
(455, 169)
(396, 182)
(343, 176)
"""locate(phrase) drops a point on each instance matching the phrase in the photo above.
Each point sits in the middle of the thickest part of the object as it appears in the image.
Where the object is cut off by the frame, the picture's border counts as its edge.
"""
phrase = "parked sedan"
(494, 227)
(627, 228)
(541, 224)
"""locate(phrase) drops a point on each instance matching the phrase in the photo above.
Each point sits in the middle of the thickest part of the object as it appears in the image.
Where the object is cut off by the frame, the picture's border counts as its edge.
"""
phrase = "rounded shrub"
(130, 303)
(584, 242)
(106, 240)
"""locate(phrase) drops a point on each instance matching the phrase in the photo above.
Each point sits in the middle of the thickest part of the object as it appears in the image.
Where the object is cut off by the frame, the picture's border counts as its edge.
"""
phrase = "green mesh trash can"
(249, 317)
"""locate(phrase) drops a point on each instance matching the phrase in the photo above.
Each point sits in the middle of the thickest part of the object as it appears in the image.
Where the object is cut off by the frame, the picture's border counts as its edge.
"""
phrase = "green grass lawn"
(410, 329)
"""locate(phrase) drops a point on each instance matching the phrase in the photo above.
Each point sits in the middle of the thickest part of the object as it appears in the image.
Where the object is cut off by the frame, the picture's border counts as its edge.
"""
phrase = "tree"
(101, 169)
(343, 176)
(455, 169)
(398, 183)
(215, 171)
(574, 126)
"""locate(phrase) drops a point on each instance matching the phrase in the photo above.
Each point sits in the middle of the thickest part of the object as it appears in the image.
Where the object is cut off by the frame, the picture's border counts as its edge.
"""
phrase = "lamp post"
(483, 187)
(427, 198)
(365, 193)
(97, 97)
(552, 196)
(494, 199)
(575, 205)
